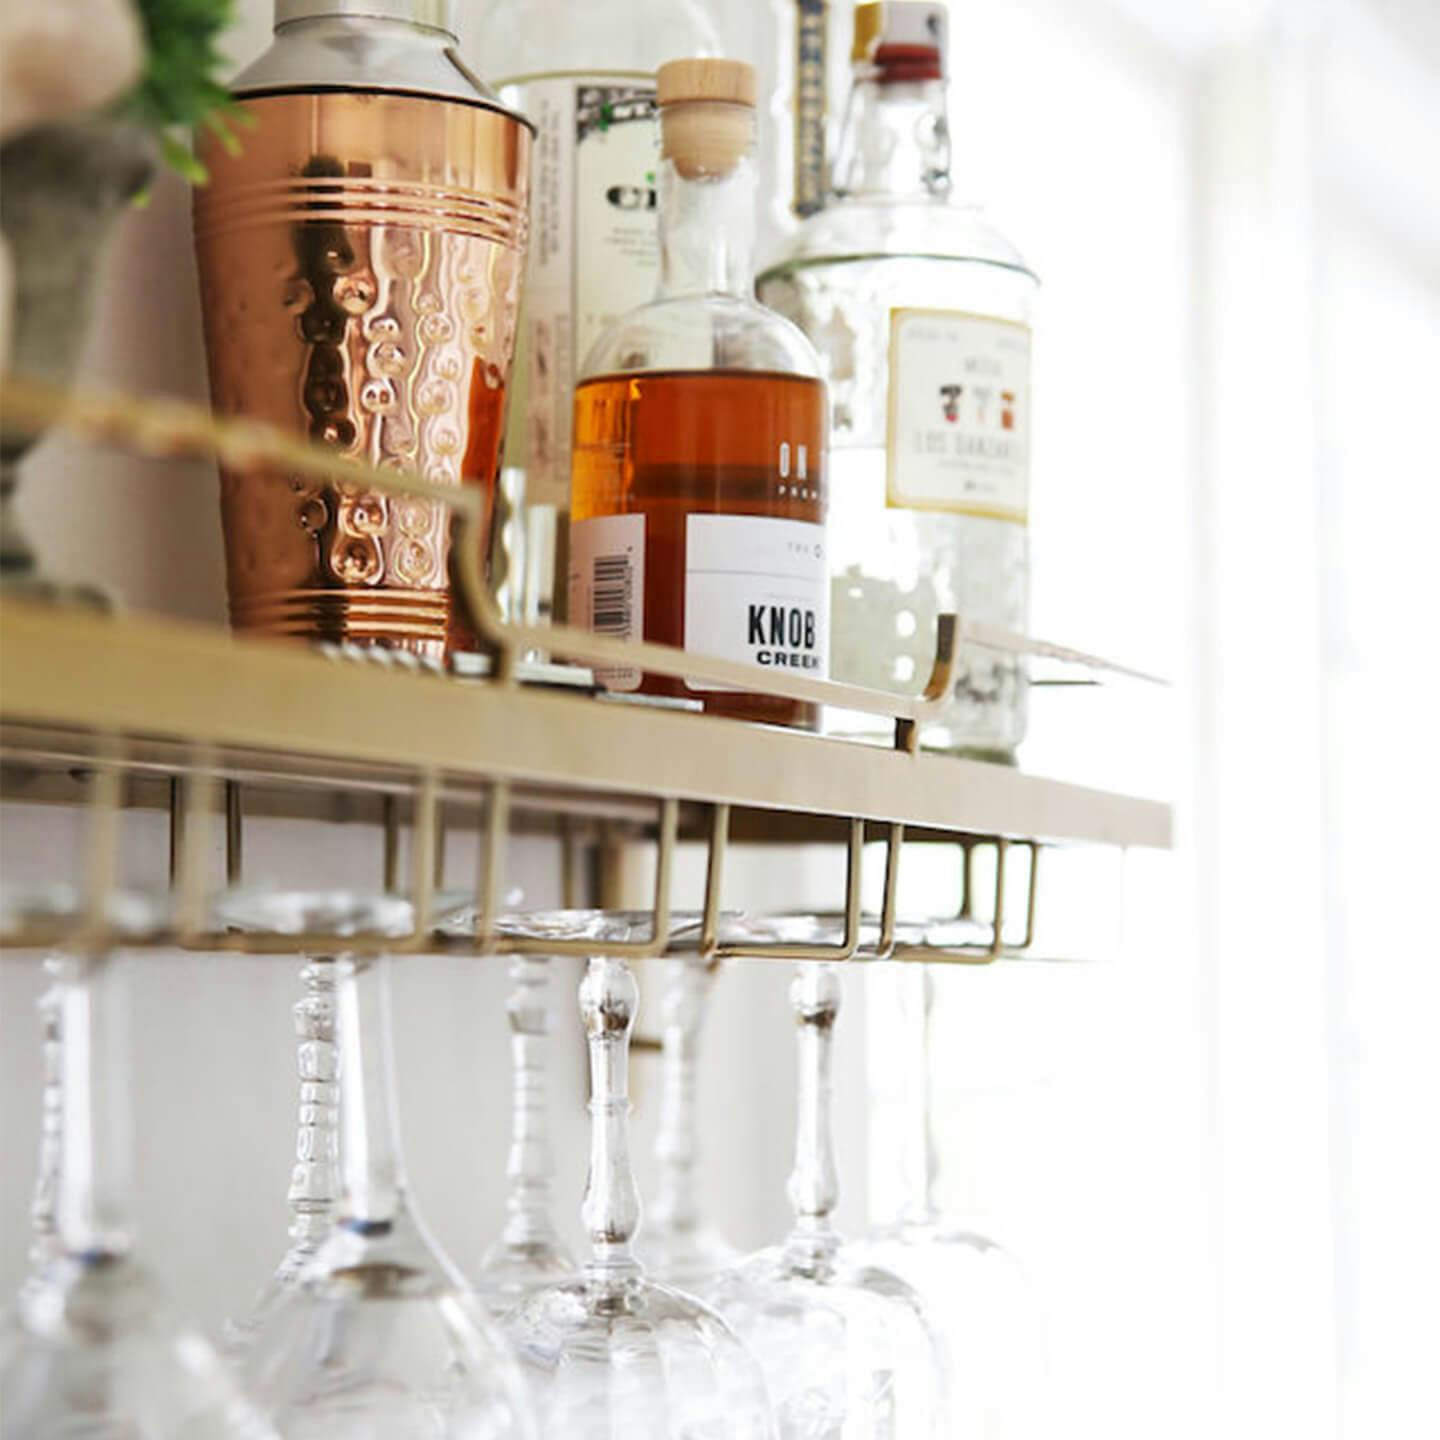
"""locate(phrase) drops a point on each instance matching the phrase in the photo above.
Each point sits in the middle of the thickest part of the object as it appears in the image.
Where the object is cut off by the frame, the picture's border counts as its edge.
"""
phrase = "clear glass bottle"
(587, 81)
(922, 314)
(698, 490)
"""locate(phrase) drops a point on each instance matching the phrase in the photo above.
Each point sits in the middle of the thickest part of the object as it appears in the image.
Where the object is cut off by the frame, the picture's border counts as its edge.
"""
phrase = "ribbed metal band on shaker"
(436, 14)
(363, 201)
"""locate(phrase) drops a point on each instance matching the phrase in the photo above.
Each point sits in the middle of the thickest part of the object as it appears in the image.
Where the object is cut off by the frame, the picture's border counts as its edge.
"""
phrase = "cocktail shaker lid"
(437, 14)
(392, 45)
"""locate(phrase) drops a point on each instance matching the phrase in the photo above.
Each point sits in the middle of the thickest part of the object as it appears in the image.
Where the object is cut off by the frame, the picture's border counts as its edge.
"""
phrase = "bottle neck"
(707, 231)
(895, 144)
(92, 1210)
(373, 1169)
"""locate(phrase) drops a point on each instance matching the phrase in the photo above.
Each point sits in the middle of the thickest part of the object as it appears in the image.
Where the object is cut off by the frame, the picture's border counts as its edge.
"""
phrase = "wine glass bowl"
(91, 1350)
(976, 1292)
(380, 1337)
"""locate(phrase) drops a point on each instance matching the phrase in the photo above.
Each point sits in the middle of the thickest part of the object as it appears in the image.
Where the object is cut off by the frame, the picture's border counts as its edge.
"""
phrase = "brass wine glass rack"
(115, 712)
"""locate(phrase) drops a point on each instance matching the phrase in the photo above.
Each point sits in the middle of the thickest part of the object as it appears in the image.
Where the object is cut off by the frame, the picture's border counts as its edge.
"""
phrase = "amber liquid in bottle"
(671, 444)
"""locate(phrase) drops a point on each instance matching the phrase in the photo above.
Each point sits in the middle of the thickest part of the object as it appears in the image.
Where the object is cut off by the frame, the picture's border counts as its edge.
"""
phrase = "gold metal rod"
(854, 874)
(967, 878)
(849, 945)
(604, 652)
(569, 866)
(175, 428)
(714, 878)
(422, 862)
(440, 833)
(197, 801)
(1002, 846)
(1030, 899)
(176, 828)
(664, 867)
(894, 848)
(390, 862)
(102, 851)
(492, 864)
(234, 834)
(947, 955)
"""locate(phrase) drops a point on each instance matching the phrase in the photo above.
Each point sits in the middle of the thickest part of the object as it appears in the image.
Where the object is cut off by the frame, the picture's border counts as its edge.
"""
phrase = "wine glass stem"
(315, 1180)
(611, 1211)
(47, 1171)
(531, 1163)
(814, 1189)
(92, 1208)
(372, 1168)
(921, 1163)
(677, 1206)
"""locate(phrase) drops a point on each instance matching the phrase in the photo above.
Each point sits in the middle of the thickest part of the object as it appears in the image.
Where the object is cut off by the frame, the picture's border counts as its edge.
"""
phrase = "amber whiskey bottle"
(698, 482)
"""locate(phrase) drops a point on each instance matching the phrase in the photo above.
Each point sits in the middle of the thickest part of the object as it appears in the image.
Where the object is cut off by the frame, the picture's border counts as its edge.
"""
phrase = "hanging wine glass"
(44, 1229)
(315, 1178)
(681, 1248)
(611, 1355)
(528, 1254)
(974, 1290)
(92, 1350)
(380, 1336)
(847, 1349)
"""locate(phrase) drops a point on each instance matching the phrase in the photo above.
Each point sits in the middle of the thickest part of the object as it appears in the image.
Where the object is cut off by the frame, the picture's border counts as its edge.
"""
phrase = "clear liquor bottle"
(587, 81)
(699, 489)
(921, 313)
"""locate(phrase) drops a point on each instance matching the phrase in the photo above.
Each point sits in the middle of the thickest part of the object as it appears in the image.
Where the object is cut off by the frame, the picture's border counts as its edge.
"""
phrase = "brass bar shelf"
(114, 713)
(97, 710)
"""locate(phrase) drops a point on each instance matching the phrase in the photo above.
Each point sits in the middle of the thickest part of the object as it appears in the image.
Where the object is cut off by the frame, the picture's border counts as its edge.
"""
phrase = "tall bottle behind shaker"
(361, 257)
(585, 77)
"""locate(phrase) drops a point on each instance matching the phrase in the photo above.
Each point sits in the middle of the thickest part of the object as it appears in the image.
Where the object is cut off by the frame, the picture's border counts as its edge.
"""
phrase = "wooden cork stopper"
(707, 115)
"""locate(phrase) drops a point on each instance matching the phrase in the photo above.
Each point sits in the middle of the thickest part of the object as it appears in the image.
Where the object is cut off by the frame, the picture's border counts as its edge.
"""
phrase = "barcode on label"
(612, 596)
(607, 584)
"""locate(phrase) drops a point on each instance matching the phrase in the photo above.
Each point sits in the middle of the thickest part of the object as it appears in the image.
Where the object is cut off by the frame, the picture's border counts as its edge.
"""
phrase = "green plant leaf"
(178, 87)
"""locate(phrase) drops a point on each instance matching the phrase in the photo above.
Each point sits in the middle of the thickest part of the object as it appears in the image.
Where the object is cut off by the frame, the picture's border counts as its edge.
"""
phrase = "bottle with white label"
(586, 80)
(922, 314)
(699, 489)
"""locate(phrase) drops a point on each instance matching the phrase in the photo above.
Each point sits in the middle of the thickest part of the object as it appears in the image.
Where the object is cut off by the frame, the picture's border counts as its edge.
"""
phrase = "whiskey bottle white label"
(757, 590)
(607, 584)
(594, 250)
(958, 434)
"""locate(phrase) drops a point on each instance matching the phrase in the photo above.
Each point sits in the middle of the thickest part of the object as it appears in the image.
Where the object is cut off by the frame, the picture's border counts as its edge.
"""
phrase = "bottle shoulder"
(858, 227)
(702, 332)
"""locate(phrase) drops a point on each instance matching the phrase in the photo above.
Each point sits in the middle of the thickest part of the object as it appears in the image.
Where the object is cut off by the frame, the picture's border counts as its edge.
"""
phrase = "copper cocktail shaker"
(361, 257)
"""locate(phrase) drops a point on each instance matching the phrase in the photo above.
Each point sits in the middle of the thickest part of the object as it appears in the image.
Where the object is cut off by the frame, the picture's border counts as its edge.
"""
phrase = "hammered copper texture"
(360, 265)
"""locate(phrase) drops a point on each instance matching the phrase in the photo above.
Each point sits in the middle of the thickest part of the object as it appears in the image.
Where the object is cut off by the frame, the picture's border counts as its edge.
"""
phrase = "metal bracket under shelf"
(96, 920)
